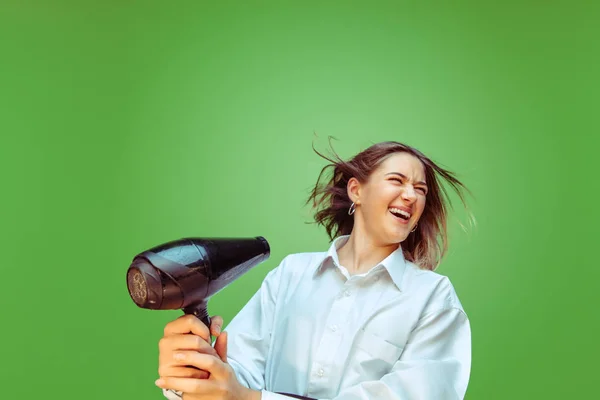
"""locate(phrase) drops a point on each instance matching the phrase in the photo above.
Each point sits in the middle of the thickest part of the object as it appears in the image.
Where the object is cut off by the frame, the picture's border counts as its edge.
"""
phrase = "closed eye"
(421, 188)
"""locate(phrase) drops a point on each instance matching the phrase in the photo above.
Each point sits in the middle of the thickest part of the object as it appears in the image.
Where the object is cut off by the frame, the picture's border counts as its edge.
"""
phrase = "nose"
(409, 194)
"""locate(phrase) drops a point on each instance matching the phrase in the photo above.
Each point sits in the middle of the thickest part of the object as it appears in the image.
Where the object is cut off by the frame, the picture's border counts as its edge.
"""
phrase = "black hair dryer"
(184, 274)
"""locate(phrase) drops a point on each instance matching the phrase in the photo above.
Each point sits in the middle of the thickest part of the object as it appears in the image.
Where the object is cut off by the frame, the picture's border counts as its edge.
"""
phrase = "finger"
(221, 346)
(187, 324)
(210, 364)
(216, 324)
(182, 372)
(185, 342)
(187, 385)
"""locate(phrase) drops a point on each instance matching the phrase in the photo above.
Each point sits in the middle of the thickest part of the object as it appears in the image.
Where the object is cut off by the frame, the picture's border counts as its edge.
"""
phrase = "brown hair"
(429, 243)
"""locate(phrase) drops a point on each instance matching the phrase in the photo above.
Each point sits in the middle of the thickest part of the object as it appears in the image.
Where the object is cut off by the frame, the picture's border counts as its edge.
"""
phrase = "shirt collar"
(394, 264)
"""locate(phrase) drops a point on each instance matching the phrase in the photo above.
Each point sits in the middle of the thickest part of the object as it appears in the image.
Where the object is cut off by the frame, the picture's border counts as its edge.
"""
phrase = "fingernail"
(159, 382)
(218, 329)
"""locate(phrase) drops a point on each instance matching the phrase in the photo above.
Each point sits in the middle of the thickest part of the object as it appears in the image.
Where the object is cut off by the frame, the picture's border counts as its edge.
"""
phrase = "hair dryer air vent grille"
(137, 286)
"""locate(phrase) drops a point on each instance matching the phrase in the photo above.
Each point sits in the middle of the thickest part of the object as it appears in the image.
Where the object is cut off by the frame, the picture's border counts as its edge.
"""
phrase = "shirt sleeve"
(435, 364)
(250, 331)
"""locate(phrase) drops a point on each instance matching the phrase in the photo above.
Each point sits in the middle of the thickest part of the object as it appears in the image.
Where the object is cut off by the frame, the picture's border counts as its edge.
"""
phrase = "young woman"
(366, 319)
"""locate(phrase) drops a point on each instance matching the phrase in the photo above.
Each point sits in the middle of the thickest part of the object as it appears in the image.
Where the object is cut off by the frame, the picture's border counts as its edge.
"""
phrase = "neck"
(360, 253)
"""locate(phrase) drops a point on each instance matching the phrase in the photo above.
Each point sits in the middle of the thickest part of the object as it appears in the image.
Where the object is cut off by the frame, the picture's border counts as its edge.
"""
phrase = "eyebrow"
(404, 176)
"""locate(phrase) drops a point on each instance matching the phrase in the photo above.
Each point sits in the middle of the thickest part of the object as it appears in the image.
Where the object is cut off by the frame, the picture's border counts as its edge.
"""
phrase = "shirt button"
(321, 372)
(347, 293)
(334, 327)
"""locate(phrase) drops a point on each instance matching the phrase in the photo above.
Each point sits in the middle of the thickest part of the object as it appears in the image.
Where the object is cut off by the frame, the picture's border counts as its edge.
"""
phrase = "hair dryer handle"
(200, 310)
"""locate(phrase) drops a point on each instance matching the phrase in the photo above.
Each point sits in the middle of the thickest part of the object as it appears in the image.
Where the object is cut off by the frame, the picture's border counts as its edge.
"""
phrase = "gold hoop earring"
(352, 209)
(415, 228)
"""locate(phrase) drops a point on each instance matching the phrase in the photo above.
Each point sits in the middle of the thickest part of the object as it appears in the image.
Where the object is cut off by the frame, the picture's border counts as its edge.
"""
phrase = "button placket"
(324, 362)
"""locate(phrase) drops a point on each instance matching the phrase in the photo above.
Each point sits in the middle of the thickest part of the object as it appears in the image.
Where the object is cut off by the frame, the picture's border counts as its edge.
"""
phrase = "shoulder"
(300, 263)
(296, 264)
(294, 269)
(437, 291)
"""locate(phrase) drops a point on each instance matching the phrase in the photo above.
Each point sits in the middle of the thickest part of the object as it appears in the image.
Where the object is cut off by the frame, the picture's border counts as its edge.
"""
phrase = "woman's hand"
(221, 384)
(188, 333)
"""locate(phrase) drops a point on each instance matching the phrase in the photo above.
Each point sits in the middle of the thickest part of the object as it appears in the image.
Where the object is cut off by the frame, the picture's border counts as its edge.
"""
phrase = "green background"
(128, 124)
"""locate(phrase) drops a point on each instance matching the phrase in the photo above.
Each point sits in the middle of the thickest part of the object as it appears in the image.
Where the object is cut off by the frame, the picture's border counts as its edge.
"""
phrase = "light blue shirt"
(396, 332)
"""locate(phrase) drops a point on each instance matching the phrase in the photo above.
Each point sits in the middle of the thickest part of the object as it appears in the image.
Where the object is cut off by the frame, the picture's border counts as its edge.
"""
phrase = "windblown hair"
(429, 243)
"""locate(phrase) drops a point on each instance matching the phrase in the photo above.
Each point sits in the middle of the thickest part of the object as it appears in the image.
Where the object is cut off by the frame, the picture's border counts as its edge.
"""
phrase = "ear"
(354, 189)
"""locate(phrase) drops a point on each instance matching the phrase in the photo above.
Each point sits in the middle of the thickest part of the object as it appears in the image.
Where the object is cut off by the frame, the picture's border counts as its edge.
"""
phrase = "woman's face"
(391, 202)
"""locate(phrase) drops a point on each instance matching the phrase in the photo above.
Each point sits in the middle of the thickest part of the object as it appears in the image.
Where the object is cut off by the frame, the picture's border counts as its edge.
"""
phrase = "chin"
(395, 238)
(402, 239)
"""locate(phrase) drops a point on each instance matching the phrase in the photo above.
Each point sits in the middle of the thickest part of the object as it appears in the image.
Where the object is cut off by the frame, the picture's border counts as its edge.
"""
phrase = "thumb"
(216, 322)
(221, 346)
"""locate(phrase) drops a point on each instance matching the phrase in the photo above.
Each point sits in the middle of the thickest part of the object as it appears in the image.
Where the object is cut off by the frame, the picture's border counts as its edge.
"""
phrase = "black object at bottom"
(296, 396)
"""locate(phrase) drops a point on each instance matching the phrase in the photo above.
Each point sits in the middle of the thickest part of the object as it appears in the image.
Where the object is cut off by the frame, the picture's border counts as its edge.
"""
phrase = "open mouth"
(400, 214)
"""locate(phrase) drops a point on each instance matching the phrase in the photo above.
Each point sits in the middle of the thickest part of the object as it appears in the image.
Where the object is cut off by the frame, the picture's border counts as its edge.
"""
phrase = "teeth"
(400, 212)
